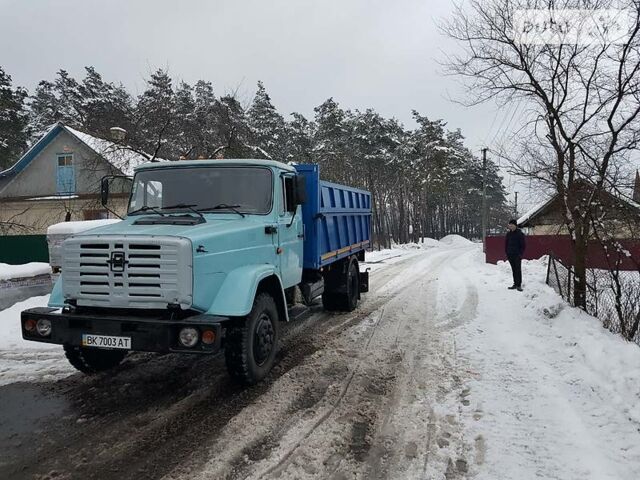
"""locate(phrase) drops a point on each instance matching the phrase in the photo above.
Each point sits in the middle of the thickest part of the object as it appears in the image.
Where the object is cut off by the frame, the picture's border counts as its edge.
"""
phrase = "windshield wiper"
(146, 208)
(224, 206)
(184, 205)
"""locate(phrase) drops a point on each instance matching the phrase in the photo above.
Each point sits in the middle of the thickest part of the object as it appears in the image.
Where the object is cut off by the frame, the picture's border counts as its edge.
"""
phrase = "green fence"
(17, 249)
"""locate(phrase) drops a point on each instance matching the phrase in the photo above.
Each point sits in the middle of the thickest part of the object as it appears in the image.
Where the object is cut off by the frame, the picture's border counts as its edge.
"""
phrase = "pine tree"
(14, 131)
(209, 141)
(44, 108)
(187, 128)
(233, 128)
(105, 105)
(266, 125)
(298, 139)
(330, 140)
(155, 117)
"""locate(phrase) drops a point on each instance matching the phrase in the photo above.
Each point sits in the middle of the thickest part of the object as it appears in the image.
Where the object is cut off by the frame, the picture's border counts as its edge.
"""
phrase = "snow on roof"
(120, 156)
(535, 210)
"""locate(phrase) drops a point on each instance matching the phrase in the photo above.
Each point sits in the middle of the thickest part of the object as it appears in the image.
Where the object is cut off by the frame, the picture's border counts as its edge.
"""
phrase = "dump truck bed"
(337, 219)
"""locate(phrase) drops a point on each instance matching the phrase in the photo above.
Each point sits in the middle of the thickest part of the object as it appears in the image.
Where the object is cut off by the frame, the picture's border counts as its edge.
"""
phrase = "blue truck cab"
(210, 257)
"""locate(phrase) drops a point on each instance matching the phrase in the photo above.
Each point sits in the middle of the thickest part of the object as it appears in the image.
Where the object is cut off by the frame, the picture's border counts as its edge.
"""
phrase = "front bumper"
(147, 334)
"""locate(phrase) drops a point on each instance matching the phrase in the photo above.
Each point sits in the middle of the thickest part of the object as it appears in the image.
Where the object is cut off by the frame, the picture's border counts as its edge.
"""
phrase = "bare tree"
(583, 99)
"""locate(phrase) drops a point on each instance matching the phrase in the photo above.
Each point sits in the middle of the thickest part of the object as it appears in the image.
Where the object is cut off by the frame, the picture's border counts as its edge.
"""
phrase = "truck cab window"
(288, 194)
(248, 189)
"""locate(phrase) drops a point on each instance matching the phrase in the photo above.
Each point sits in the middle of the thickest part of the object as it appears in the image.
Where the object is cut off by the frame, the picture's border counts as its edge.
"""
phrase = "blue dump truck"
(208, 258)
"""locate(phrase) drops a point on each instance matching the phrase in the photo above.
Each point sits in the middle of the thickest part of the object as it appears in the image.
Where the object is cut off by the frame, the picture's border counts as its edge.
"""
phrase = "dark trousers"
(516, 268)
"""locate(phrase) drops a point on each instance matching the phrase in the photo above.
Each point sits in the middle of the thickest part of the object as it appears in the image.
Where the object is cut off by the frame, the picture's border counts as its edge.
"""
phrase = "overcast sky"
(363, 53)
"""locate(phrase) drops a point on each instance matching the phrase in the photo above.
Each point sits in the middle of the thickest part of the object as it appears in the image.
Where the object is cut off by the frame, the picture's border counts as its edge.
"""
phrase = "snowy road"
(441, 373)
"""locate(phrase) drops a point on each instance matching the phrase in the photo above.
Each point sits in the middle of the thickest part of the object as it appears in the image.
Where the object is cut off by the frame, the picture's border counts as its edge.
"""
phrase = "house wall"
(619, 222)
(39, 177)
(34, 216)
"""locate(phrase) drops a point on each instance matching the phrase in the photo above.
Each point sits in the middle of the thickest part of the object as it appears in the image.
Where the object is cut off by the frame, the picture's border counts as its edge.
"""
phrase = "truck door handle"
(301, 235)
(270, 229)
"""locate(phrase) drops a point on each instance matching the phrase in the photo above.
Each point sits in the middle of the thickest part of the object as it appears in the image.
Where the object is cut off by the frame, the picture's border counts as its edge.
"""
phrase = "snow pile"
(422, 244)
(70, 228)
(25, 361)
(26, 270)
(455, 241)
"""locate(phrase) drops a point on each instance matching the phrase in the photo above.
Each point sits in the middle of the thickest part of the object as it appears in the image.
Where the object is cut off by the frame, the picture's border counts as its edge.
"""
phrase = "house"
(58, 179)
(620, 217)
(547, 232)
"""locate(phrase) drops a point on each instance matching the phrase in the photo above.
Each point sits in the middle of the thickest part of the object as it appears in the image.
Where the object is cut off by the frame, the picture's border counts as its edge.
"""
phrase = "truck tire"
(251, 343)
(348, 286)
(93, 360)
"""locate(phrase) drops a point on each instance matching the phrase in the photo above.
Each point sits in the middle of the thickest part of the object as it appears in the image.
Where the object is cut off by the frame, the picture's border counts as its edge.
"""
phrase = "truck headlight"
(44, 327)
(189, 336)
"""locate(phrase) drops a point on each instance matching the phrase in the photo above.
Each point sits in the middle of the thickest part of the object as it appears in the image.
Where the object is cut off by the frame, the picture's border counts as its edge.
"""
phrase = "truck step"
(299, 312)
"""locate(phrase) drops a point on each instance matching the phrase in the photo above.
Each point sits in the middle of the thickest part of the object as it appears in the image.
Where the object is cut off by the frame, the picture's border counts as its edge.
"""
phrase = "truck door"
(290, 235)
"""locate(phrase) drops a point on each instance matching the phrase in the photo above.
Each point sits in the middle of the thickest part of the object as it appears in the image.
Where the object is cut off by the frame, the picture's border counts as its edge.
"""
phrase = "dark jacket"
(514, 244)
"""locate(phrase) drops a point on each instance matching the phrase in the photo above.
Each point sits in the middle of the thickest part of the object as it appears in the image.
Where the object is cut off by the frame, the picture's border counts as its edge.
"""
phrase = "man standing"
(514, 248)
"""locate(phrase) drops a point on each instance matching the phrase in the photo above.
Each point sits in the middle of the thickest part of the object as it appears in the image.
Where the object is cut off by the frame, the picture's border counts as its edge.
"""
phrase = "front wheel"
(93, 360)
(251, 343)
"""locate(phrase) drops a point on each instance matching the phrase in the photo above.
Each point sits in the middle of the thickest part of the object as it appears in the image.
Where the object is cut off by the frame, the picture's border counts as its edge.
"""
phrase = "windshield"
(245, 189)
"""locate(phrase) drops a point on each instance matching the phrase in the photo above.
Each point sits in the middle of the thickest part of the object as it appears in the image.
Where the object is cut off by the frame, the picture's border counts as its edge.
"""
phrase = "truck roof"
(217, 162)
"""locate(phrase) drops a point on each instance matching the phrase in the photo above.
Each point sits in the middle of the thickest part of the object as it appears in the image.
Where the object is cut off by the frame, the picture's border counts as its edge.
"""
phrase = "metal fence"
(612, 296)
(17, 249)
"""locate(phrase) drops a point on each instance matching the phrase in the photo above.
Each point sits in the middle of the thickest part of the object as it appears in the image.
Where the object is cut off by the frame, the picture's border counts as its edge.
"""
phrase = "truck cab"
(205, 260)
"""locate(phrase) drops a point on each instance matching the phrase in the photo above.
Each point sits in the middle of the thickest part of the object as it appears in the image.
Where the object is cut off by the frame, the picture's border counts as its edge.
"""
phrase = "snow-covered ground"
(25, 361)
(441, 373)
(550, 394)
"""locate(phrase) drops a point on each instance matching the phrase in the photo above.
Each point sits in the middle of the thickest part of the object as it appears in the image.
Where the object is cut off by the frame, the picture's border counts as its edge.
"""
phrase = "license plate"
(104, 341)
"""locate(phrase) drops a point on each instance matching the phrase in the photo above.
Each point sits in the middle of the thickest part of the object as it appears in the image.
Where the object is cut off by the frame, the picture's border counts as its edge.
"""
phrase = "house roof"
(542, 207)
(121, 157)
(536, 210)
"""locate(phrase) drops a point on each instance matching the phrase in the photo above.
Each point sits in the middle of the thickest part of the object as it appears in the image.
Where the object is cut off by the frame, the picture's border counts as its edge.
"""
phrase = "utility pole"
(516, 206)
(484, 199)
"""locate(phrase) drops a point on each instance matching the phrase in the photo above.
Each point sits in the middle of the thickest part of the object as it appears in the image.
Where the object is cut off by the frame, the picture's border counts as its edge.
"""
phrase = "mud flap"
(364, 282)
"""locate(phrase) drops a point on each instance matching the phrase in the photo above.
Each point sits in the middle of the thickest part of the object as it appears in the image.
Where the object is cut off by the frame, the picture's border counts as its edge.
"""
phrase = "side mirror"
(104, 191)
(300, 189)
(119, 185)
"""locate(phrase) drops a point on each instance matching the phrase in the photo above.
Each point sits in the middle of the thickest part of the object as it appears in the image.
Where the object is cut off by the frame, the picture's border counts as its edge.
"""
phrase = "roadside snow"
(553, 394)
(8, 272)
(21, 360)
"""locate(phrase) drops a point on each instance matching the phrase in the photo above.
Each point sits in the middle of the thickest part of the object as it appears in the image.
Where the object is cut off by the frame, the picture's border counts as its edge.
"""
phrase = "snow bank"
(455, 240)
(8, 272)
(550, 385)
(25, 361)
(70, 228)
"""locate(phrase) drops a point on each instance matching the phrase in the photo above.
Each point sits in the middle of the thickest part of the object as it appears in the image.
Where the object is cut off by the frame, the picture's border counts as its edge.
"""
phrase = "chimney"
(636, 188)
(117, 134)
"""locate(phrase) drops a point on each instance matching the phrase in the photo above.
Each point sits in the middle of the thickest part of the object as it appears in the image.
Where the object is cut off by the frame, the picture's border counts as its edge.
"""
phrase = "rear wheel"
(344, 289)
(93, 360)
(251, 343)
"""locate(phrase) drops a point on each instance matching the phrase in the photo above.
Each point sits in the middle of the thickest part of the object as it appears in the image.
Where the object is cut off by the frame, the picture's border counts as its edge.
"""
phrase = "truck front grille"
(127, 272)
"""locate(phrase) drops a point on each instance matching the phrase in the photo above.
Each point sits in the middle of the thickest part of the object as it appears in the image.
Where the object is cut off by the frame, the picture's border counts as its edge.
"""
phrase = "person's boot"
(519, 289)
(513, 287)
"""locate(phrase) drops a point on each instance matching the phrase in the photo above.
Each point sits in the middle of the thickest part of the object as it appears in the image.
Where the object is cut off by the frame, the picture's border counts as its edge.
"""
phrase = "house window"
(95, 214)
(65, 175)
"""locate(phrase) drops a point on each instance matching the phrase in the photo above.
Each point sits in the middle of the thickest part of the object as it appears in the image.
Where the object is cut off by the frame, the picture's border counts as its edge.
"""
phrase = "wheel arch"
(238, 292)
(273, 287)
